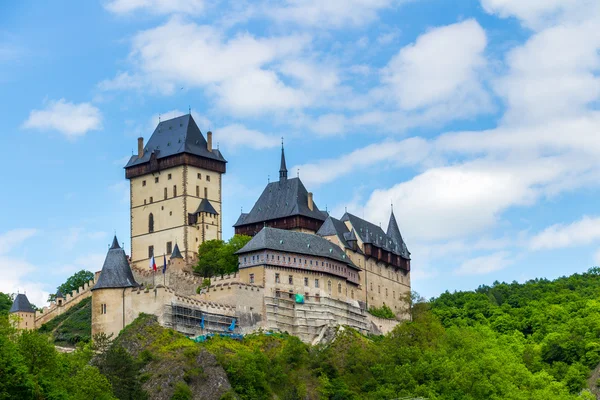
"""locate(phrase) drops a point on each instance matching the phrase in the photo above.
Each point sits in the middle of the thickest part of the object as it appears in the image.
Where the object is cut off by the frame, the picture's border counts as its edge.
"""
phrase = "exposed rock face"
(173, 360)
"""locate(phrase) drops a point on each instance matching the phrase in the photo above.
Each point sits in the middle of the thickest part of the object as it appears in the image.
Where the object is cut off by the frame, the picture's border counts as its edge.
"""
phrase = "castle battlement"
(71, 299)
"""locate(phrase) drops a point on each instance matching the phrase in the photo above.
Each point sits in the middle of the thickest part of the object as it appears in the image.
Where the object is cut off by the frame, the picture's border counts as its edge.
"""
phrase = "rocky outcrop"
(171, 360)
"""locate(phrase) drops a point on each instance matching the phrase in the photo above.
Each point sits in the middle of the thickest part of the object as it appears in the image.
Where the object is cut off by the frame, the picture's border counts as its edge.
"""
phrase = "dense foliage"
(31, 368)
(216, 257)
(73, 326)
(74, 282)
(537, 340)
(6, 301)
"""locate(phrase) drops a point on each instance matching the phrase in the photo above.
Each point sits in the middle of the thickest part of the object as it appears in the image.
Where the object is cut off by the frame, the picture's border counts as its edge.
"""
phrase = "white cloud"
(239, 71)
(461, 200)
(193, 7)
(70, 119)
(554, 75)
(444, 65)
(484, 264)
(14, 238)
(17, 274)
(237, 135)
(331, 13)
(406, 152)
(538, 13)
(582, 232)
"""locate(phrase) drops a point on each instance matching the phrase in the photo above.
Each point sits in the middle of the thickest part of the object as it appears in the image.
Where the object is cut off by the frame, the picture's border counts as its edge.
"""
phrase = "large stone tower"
(175, 191)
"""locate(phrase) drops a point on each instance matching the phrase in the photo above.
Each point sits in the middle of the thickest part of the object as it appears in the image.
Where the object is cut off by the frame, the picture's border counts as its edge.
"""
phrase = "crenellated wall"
(71, 299)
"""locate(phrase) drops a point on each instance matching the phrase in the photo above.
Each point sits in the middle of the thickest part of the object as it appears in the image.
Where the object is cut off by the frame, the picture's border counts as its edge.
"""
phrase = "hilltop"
(535, 340)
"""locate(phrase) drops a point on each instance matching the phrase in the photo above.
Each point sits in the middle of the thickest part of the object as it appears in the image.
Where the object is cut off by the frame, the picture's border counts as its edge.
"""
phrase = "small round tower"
(108, 294)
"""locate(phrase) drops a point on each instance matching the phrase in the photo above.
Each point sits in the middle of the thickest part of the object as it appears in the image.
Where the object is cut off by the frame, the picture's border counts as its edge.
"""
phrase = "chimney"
(140, 147)
(209, 141)
(310, 201)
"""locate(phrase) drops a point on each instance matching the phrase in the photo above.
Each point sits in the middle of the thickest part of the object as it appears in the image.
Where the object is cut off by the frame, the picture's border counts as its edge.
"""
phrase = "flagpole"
(164, 271)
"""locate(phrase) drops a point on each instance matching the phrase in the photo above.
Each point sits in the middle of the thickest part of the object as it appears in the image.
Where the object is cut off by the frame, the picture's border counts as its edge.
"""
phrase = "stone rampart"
(71, 299)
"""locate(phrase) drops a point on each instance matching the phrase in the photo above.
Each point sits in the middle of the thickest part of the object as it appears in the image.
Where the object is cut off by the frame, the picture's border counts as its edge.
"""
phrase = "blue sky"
(478, 120)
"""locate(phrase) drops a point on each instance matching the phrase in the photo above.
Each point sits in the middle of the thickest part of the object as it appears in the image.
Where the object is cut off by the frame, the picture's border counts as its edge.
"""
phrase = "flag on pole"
(164, 263)
(152, 264)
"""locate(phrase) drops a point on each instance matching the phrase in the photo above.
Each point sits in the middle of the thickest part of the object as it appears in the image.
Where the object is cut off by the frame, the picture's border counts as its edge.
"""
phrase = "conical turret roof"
(176, 253)
(393, 230)
(116, 272)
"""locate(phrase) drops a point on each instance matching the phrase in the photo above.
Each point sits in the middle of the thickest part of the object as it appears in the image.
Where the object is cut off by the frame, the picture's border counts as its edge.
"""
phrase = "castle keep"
(302, 272)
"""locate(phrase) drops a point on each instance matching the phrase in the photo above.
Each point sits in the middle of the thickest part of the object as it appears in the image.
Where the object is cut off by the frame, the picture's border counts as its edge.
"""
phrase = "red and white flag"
(152, 264)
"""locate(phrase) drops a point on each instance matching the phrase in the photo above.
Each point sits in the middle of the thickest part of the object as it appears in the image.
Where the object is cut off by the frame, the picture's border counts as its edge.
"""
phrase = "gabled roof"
(116, 272)
(371, 233)
(21, 304)
(281, 199)
(206, 207)
(176, 253)
(296, 242)
(176, 136)
(333, 226)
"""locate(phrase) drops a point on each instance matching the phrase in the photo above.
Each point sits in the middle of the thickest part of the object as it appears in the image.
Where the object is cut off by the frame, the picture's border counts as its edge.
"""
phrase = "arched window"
(352, 293)
(150, 223)
(329, 286)
(339, 288)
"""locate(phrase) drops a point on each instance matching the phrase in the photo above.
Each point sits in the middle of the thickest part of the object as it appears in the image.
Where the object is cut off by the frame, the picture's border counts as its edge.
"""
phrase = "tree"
(216, 257)
(74, 282)
(208, 258)
(6, 301)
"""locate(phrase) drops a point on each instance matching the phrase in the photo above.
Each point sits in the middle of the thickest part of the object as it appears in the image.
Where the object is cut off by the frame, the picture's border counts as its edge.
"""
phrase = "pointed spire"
(283, 168)
(176, 253)
(393, 230)
(115, 243)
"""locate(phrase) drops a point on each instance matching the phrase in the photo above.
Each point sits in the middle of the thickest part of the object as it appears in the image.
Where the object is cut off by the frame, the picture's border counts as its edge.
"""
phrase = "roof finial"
(159, 118)
(345, 209)
(298, 173)
(282, 168)
(268, 178)
(190, 110)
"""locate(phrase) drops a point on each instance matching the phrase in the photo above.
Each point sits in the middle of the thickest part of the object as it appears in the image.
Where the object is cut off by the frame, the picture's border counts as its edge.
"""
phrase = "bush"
(182, 392)
(382, 312)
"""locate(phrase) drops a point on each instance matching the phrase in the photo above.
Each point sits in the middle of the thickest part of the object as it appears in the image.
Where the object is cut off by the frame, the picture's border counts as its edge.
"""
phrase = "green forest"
(535, 340)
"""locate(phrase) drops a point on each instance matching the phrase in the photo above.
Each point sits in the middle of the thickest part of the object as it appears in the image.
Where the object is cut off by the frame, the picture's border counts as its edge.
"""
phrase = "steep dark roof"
(175, 136)
(285, 198)
(205, 206)
(295, 242)
(371, 233)
(393, 230)
(333, 226)
(116, 272)
(21, 304)
(176, 253)
(241, 219)
(59, 294)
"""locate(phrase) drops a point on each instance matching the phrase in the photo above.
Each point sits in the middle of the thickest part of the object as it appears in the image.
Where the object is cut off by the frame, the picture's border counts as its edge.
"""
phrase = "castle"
(302, 272)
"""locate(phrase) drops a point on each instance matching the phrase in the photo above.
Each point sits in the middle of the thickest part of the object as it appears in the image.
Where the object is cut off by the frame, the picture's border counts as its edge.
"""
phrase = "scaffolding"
(194, 321)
